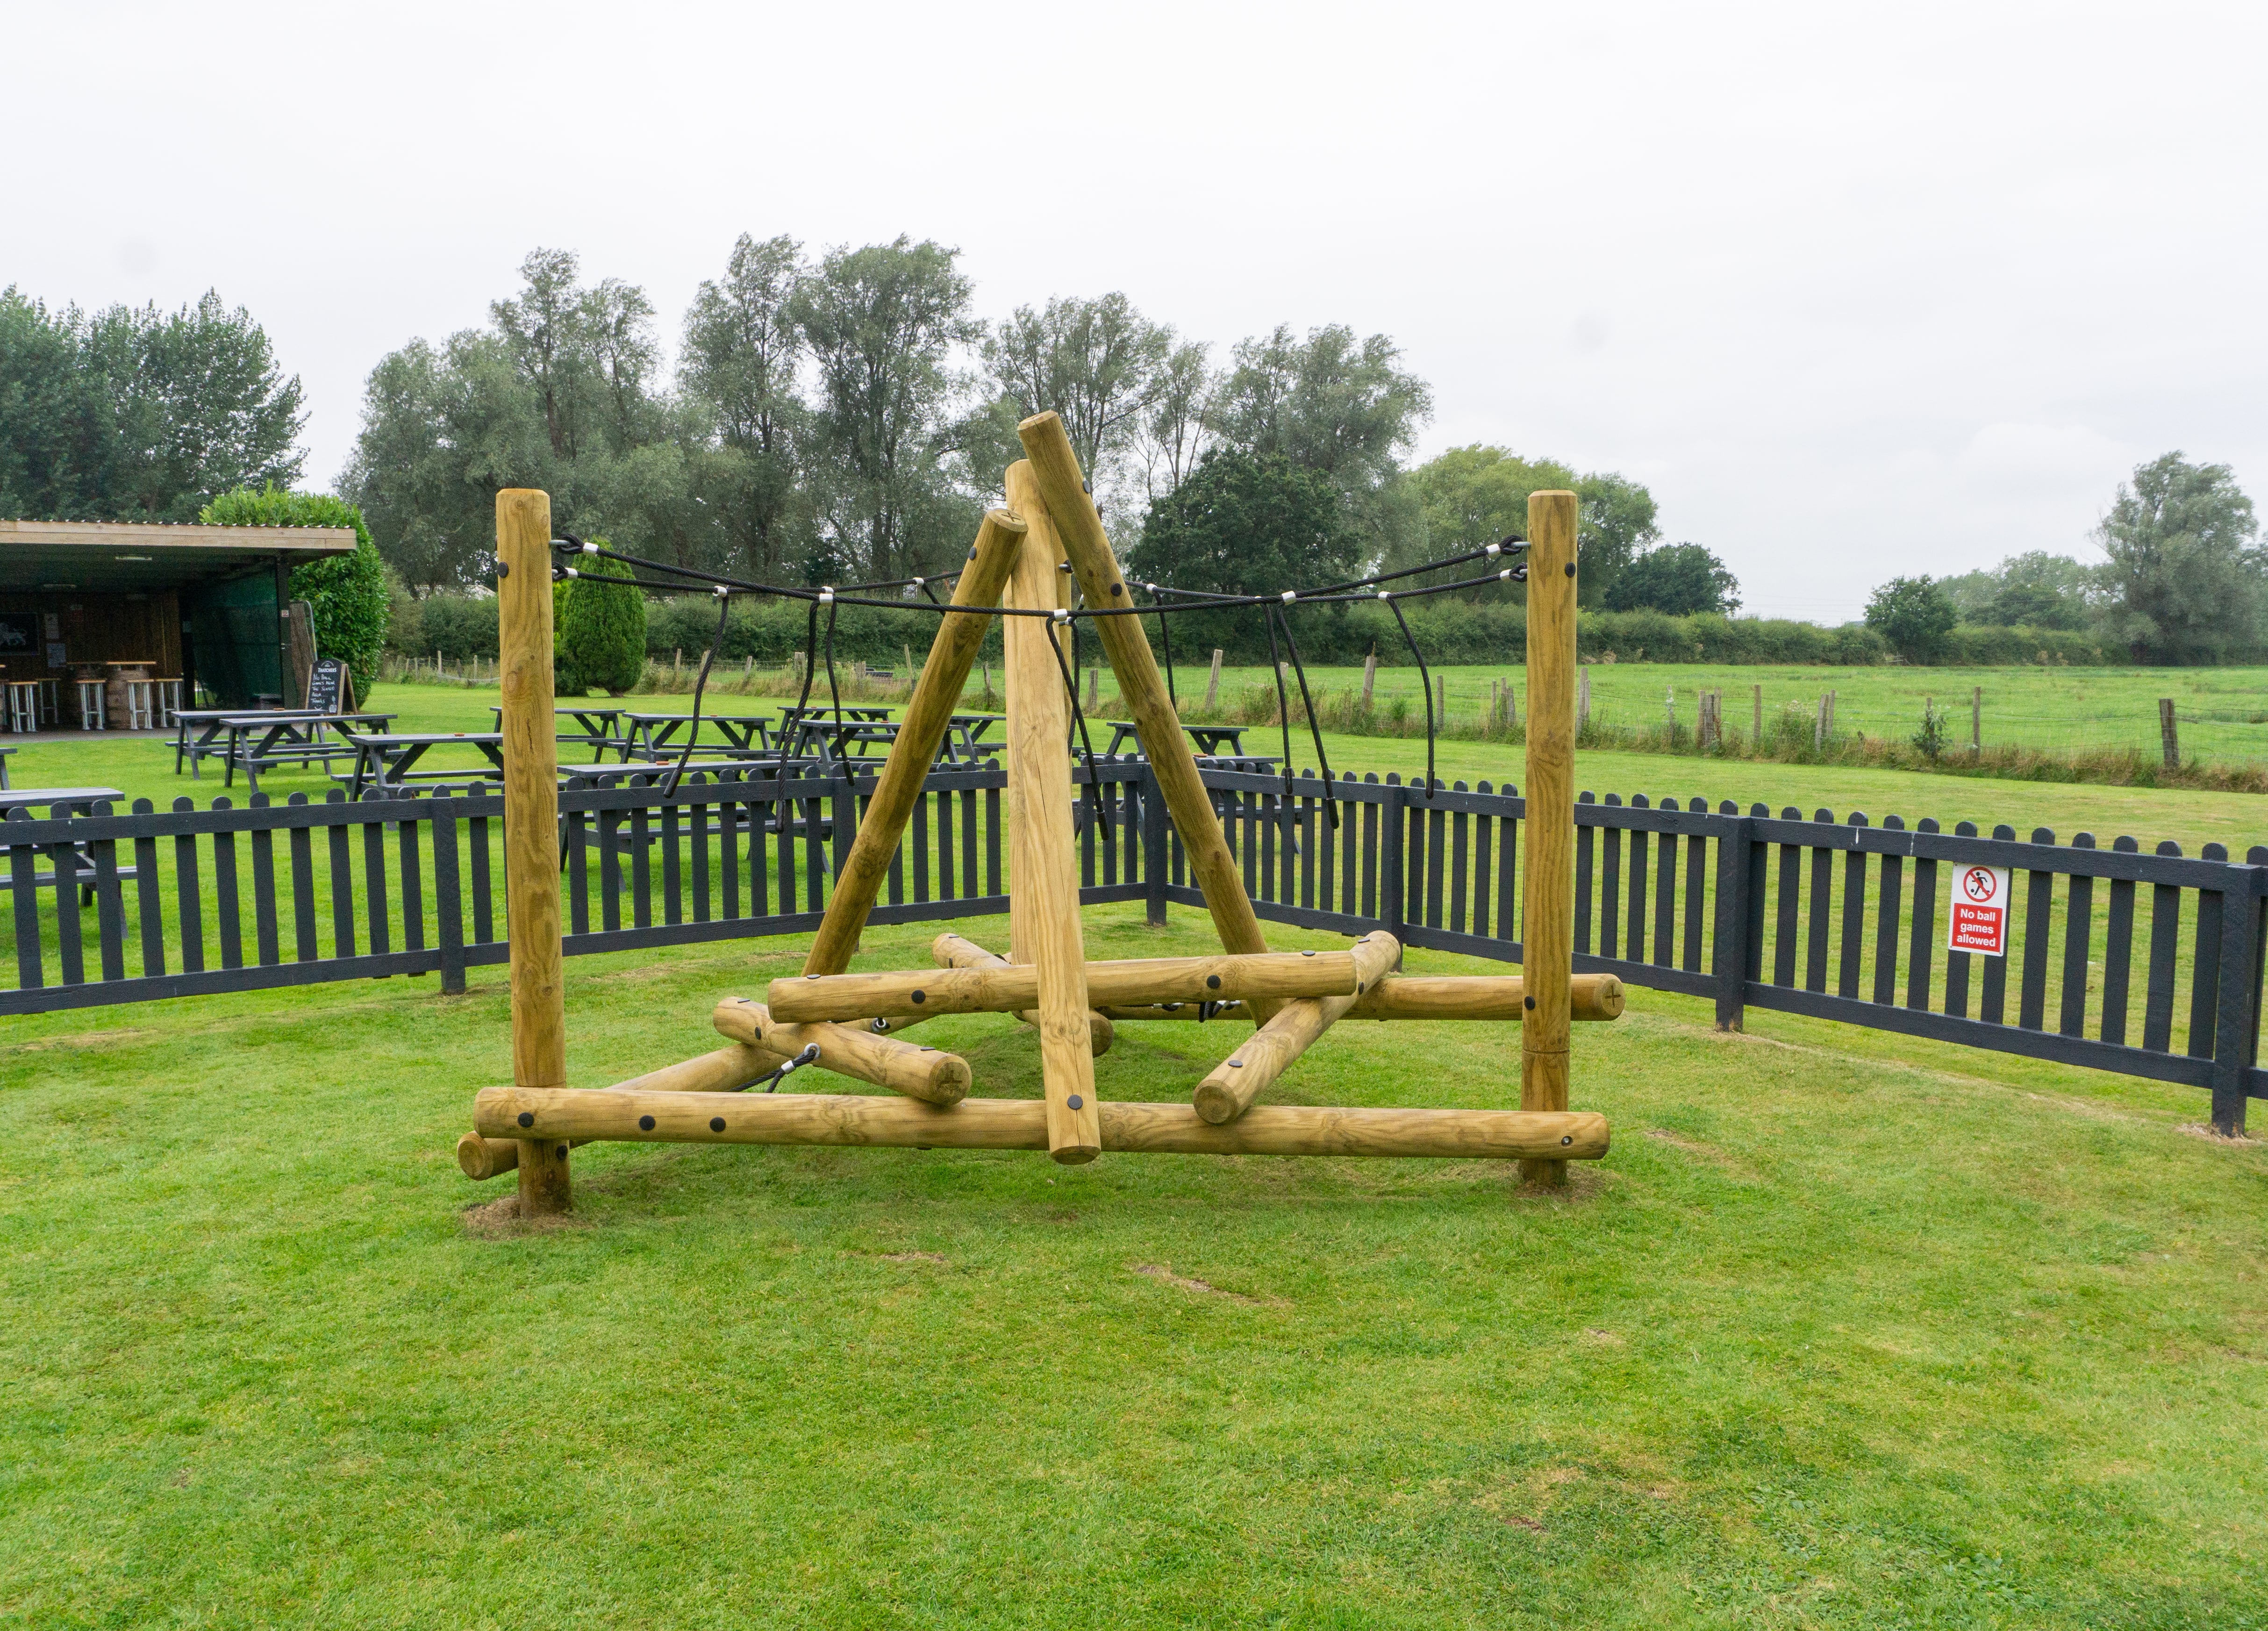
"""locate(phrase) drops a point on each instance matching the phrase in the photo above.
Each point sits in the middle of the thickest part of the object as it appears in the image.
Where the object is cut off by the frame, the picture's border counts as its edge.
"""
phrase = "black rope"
(1425, 680)
(1166, 635)
(834, 691)
(770, 1084)
(700, 684)
(1315, 727)
(1283, 705)
(1094, 800)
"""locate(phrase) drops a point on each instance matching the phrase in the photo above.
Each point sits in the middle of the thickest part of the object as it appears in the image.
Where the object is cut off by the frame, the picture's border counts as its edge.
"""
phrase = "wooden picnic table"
(655, 735)
(388, 761)
(601, 732)
(80, 801)
(1208, 738)
(285, 737)
(970, 729)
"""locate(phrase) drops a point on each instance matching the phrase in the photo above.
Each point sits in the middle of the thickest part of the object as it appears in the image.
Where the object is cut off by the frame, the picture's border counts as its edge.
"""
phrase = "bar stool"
(23, 705)
(93, 709)
(51, 701)
(141, 704)
(169, 702)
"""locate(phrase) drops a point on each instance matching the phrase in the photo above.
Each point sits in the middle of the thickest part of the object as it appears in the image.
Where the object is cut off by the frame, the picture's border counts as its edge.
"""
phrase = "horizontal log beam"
(1021, 1124)
(723, 1071)
(1013, 986)
(951, 950)
(925, 1072)
(1229, 1089)
(1429, 996)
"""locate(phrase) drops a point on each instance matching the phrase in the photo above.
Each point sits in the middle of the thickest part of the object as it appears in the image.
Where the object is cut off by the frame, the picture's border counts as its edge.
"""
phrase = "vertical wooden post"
(530, 837)
(1548, 898)
(1043, 871)
(1756, 727)
(1582, 698)
(2169, 740)
(1369, 674)
(1975, 720)
(1212, 684)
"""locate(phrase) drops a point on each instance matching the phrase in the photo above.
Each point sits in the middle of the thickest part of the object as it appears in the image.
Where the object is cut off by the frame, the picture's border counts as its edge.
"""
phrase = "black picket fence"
(1837, 920)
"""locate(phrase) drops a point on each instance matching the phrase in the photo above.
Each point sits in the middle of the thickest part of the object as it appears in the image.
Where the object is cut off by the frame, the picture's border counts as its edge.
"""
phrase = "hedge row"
(1447, 631)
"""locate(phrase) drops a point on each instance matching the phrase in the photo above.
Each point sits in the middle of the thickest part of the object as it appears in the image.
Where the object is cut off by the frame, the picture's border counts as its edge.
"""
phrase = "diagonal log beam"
(951, 950)
(1055, 473)
(908, 1067)
(1271, 1050)
(1021, 1124)
(922, 726)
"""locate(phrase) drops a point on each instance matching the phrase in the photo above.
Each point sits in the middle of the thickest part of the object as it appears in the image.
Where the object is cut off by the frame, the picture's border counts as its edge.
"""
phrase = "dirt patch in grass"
(913, 1257)
(500, 1220)
(1164, 1274)
(2198, 1130)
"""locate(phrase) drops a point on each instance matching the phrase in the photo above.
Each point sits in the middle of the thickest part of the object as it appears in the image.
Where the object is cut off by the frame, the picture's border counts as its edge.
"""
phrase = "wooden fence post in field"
(1975, 720)
(1582, 700)
(1756, 730)
(2169, 741)
(1547, 897)
(1369, 677)
(1440, 697)
(1212, 683)
(530, 837)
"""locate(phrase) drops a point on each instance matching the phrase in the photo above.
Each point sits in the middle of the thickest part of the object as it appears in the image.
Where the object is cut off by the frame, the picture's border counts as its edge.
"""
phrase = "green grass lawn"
(1847, 1330)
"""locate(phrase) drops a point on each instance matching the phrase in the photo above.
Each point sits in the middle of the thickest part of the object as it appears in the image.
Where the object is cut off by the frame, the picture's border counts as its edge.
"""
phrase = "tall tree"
(739, 364)
(1914, 615)
(1097, 363)
(1328, 403)
(544, 331)
(58, 425)
(1174, 432)
(2186, 577)
(1477, 494)
(1680, 579)
(880, 322)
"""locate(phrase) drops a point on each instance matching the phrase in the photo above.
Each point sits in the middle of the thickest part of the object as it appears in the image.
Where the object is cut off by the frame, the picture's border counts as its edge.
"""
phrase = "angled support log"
(952, 951)
(918, 1072)
(1043, 871)
(726, 1071)
(1009, 988)
(1056, 475)
(1021, 1124)
(1427, 996)
(936, 695)
(1228, 1092)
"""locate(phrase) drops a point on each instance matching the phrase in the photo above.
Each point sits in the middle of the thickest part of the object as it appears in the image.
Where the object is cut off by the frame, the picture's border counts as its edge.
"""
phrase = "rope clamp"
(723, 593)
(1385, 594)
(1060, 615)
(826, 594)
(1290, 595)
(1493, 549)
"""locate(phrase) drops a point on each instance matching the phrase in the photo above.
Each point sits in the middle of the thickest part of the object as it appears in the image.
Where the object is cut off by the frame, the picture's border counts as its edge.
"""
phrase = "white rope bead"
(1061, 615)
(825, 595)
(1290, 595)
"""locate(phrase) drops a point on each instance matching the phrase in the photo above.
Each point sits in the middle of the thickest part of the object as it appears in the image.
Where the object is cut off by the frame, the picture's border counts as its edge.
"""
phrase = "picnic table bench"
(77, 801)
(656, 735)
(271, 738)
(385, 761)
(1209, 740)
(602, 729)
(4, 751)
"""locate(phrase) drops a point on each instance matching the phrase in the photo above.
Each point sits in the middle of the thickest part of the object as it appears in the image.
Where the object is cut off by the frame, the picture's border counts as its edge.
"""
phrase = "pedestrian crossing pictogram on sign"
(1980, 911)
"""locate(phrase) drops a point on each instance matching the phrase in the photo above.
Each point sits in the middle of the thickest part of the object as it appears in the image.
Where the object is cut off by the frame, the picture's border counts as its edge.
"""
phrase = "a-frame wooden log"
(1063, 491)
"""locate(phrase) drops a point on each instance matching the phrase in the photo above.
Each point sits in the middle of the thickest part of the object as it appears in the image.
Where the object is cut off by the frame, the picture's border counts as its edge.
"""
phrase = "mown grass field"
(1845, 1331)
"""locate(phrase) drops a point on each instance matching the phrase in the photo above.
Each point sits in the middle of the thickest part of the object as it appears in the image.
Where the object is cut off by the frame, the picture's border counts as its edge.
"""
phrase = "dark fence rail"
(2146, 964)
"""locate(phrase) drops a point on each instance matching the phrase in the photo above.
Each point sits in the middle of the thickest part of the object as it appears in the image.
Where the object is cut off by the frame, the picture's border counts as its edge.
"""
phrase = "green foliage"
(138, 415)
(457, 626)
(1242, 525)
(1929, 741)
(601, 631)
(1915, 616)
(1478, 495)
(2187, 578)
(349, 593)
(1680, 579)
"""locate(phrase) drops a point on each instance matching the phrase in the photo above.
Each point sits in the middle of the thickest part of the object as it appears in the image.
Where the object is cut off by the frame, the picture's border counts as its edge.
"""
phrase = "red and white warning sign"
(1980, 911)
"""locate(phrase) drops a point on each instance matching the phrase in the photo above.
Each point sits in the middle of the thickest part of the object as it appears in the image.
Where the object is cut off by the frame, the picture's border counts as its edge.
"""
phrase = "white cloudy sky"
(1855, 290)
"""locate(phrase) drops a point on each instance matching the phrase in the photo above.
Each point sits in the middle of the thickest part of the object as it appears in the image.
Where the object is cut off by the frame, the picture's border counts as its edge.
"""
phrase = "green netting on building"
(232, 634)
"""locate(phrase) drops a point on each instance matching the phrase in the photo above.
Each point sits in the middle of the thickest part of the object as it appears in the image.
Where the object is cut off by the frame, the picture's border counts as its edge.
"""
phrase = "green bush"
(348, 592)
(458, 626)
(601, 631)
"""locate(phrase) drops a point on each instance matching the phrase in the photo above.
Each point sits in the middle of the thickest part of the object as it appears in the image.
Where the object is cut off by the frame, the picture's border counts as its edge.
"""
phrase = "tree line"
(2184, 580)
(846, 417)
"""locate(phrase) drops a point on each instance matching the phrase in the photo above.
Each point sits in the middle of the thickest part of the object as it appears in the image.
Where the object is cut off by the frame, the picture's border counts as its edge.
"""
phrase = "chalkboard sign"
(330, 690)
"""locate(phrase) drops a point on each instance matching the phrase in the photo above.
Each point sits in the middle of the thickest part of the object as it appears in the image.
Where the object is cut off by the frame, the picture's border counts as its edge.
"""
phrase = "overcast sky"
(1855, 291)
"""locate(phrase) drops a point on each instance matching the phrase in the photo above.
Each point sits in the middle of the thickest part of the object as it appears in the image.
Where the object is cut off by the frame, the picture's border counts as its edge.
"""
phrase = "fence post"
(1729, 957)
(1390, 903)
(2170, 741)
(2236, 1029)
(1154, 848)
(448, 894)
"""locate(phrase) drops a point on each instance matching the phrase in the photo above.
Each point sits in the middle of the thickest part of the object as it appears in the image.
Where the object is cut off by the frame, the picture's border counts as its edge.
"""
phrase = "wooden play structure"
(1027, 557)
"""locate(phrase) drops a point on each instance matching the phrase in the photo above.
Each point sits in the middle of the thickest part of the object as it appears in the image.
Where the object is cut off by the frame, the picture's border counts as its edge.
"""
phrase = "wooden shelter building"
(208, 603)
